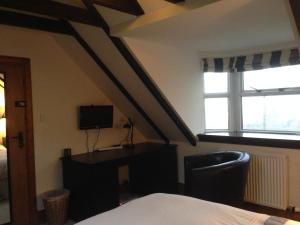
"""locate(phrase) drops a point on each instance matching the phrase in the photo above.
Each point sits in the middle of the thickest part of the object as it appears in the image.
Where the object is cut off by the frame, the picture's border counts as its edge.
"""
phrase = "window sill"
(256, 139)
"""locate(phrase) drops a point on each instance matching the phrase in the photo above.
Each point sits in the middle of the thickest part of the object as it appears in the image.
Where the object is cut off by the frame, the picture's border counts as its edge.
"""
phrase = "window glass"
(216, 113)
(271, 113)
(281, 77)
(215, 83)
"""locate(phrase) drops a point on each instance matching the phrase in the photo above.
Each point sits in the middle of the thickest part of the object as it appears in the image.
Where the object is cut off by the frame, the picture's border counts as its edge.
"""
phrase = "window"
(216, 118)
(264, 101)
(216, 101)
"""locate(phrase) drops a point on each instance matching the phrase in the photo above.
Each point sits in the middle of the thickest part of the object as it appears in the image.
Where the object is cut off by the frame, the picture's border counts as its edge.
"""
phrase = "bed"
(167, 209)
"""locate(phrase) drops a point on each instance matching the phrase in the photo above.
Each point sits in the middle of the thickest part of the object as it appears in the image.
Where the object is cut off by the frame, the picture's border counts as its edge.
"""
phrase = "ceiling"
(227, 25)
(115, 17)
(77, 3)
(153, 5)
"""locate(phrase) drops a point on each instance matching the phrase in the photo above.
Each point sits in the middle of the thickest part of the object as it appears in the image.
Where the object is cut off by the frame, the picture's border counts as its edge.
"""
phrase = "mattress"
(167, 209)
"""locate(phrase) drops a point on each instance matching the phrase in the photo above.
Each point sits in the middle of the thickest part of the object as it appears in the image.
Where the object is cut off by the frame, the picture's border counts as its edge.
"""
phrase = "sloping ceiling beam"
(127, 6)
(64, 27)
(295, 6)
(32, 22)
(51, 9)
(175, 1)
(113, 78)
(143, 76)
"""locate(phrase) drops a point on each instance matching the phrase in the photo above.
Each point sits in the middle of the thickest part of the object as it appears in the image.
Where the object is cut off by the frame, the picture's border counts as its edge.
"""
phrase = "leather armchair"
(218, 177)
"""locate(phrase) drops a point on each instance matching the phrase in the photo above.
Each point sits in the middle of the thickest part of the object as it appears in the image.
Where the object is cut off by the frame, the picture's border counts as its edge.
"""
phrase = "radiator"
(267, 182)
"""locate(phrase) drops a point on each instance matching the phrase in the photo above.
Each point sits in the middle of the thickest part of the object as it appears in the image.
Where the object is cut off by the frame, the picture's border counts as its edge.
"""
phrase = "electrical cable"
(87, 141)
(126, 138)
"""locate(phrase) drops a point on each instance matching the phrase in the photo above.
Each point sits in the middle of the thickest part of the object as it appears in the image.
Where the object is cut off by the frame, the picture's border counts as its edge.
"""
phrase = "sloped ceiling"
(153, 5)
(226, 25)
(99, 46)
(104, 48)
(80, 57)
(216, 26)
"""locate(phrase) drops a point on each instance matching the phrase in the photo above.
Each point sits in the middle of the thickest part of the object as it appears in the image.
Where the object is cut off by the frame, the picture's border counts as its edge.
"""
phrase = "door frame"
(29, 137)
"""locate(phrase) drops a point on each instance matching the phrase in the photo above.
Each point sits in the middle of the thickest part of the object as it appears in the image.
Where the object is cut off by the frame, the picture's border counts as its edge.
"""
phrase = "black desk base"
(93, 178)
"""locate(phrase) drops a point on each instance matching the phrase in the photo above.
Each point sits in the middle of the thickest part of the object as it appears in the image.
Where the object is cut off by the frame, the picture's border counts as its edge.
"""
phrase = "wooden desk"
(92, 178)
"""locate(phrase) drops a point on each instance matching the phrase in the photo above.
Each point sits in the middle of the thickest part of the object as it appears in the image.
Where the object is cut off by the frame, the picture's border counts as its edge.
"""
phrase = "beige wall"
(177, 72)
(118, 65)
(185, 149)
(59, 86)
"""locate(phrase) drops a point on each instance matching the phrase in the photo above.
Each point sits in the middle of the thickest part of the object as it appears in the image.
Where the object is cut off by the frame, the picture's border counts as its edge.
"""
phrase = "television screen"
(93, 117)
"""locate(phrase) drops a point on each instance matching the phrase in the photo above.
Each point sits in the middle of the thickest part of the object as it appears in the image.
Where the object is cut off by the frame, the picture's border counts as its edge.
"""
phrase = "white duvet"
(166, 209)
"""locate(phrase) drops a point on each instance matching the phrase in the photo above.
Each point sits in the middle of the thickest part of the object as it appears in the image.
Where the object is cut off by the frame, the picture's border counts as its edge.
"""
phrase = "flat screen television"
(95, 117)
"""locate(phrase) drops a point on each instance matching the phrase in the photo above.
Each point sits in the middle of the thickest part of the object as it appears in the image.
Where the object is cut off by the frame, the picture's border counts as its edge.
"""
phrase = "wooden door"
(19, 139)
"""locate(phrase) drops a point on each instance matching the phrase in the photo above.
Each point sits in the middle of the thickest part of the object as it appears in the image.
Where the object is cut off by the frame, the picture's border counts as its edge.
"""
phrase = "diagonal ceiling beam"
(295, 7)
(113, 78)
(143, 76)
(175, 1)
(32, 22)
(51, 9)
(64, 27)
(127, 6)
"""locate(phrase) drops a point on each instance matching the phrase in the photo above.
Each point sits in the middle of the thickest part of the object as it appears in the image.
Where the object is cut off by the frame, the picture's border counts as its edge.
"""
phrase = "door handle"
(20, 139)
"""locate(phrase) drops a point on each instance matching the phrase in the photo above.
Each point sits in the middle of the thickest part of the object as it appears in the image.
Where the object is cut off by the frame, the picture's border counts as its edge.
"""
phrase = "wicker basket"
(56, 206)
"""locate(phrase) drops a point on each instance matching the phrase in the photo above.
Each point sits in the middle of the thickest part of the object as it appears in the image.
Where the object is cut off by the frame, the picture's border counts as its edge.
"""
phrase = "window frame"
(235, 93)
(217, 95)
(266, 92)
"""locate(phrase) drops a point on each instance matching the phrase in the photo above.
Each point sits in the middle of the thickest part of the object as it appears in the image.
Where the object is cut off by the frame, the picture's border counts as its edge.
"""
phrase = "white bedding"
(166, 209)
(3, 162)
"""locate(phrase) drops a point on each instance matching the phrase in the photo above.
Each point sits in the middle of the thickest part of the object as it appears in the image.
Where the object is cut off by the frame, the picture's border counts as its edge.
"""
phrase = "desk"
(92, 178)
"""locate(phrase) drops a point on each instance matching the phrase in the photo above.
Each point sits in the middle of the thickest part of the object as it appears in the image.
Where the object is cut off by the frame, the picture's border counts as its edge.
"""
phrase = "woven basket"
(56, 205)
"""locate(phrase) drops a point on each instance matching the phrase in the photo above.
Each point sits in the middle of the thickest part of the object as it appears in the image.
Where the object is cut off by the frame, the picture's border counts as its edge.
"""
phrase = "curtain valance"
(252, 62)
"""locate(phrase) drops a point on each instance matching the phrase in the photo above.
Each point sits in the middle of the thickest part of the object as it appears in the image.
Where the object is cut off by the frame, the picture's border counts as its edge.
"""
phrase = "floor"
(124, 198)
(271, 211)
(4, 212)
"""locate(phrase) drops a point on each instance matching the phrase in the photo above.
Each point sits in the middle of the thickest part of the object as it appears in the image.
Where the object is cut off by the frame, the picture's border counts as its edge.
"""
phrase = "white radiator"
(267, 182)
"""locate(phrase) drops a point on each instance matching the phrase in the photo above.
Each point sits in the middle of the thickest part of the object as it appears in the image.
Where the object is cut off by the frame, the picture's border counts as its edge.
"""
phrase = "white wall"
(185, 149)
(176, 72)
(59, 86)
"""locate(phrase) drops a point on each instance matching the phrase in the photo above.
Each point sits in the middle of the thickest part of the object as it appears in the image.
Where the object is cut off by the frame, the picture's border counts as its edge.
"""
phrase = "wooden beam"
(113, 78)
(127, 6)
(295, 6)
(32, 22)
(51, 9)
(143, 76)
(175, 1)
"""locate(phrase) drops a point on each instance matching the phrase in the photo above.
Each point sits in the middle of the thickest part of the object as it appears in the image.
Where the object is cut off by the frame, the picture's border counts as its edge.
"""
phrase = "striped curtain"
(252, 62)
